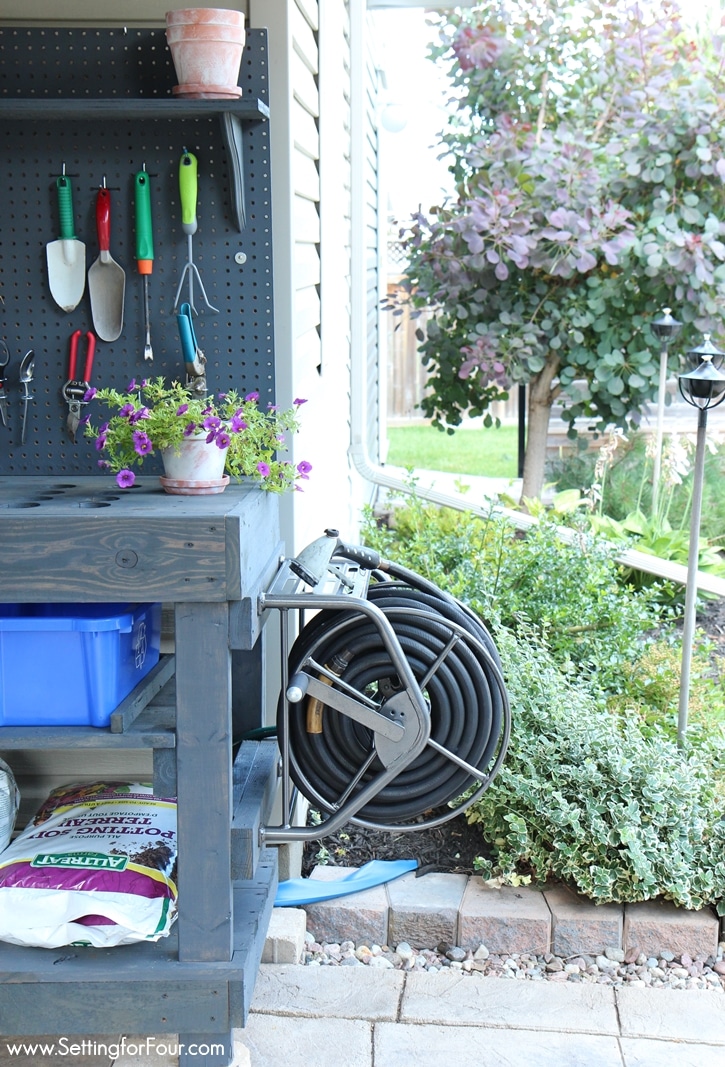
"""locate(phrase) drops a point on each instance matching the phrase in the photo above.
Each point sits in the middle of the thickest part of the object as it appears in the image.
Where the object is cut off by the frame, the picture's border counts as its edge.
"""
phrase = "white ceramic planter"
(197, 468)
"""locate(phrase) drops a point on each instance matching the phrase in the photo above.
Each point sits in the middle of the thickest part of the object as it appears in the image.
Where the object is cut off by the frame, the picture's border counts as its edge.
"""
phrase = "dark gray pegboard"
(67, 64)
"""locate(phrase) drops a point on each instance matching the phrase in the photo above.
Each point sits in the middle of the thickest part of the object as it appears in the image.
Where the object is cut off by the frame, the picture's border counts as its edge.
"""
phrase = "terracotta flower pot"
(206, 46)
(196, 468)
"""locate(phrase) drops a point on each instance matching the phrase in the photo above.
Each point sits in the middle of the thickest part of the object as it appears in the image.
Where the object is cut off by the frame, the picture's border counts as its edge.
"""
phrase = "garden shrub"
(583, 796)
(570, 594)
(594, 790)
(651, 689)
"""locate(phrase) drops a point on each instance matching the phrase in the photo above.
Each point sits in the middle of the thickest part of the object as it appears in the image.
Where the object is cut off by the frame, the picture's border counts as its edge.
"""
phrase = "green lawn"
(491, 452)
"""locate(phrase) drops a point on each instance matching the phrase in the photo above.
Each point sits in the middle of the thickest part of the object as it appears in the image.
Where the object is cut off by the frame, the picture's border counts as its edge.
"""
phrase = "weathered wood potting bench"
(66, 540)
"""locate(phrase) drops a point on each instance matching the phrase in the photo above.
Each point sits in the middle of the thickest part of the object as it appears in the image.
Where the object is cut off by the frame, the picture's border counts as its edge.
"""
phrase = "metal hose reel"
(394, 713)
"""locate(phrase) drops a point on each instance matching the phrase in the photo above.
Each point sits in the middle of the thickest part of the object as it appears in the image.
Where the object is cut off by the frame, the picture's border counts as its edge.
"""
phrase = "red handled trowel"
(66, 256)
(106, 279)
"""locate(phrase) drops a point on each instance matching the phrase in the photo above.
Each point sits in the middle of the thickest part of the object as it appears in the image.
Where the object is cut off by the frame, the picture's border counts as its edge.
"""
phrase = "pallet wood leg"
(204, 780)
(205, 1050)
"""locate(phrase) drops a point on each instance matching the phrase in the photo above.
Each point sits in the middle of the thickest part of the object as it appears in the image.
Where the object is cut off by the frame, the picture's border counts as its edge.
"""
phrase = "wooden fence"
(407, 375)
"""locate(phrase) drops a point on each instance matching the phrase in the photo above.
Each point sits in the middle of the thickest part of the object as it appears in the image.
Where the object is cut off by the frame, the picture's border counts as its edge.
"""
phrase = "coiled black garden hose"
(454, 660)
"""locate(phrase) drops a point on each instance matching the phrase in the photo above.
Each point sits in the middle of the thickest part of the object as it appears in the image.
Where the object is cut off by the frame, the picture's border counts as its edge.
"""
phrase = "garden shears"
(25, 377)
(75, 389)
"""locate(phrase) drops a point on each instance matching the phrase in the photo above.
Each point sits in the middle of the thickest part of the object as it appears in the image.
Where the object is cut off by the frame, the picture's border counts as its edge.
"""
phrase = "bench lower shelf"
(143, 988)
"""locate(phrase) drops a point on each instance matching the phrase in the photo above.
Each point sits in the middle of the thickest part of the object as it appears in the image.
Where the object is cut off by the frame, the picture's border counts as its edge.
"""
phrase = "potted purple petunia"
(242, 438)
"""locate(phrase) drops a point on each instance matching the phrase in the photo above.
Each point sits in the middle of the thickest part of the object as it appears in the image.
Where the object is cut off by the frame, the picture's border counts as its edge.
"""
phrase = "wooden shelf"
(149, 731)
(73, 108)
(72, 537)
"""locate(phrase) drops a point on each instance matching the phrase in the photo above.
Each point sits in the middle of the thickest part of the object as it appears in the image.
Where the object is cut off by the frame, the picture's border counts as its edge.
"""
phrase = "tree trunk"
(541, 398)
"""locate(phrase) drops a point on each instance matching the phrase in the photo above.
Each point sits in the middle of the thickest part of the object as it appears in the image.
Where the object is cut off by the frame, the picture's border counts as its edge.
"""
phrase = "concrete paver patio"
(355, 1017)
(335, 1017)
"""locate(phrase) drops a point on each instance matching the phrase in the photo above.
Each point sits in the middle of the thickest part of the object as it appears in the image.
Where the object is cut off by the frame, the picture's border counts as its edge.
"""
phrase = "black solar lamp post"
(703, 388)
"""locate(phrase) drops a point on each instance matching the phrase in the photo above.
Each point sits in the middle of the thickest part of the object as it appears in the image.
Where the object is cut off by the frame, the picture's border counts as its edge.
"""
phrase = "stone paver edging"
(463, 911)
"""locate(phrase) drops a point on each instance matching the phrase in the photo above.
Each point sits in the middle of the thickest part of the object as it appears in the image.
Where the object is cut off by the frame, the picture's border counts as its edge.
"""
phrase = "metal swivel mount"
(393, 712)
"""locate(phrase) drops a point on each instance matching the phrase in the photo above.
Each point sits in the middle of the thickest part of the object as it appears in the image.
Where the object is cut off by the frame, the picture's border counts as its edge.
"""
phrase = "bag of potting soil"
(96, 866)
(9, 801)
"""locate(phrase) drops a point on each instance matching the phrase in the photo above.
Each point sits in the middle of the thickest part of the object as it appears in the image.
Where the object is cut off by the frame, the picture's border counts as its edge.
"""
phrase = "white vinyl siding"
(372, 239)
(305, 111)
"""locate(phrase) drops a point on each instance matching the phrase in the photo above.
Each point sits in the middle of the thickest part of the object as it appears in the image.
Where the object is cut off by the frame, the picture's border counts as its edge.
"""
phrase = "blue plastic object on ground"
(296, 891)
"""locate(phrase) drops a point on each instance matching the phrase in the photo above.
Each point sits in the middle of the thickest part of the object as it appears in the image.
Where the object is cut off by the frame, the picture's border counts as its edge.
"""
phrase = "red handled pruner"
(76, 388)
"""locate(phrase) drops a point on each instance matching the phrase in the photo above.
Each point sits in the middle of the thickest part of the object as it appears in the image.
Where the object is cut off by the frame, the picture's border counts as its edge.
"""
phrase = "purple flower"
(182, 409)
(126, 410)
(131, 388)
(142, 443)
(125, 479)
(304, 468)
(89, 394)
(263, 469)
(212, 422)
(211, 436)
(141, 413)
(297, 402)
(103, 464)
(223, 440)
(237, 424)
(190, 429)
(252, 396)
(100, 442)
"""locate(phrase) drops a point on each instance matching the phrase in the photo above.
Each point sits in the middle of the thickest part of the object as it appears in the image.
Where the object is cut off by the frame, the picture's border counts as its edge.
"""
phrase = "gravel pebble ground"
(612, 967)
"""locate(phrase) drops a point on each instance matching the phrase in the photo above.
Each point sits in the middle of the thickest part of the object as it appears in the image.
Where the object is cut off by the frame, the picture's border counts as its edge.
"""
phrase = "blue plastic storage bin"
(72, 664)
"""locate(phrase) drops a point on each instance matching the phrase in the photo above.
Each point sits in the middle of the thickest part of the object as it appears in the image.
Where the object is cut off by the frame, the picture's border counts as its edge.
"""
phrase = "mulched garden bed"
(450, 848)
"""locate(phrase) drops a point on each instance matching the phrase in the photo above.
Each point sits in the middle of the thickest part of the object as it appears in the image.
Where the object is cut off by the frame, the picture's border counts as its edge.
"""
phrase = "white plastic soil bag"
(9, 801)
(96, 866)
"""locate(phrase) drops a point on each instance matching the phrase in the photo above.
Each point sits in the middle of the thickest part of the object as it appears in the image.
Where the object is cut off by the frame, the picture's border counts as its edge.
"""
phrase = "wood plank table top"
(83, 539)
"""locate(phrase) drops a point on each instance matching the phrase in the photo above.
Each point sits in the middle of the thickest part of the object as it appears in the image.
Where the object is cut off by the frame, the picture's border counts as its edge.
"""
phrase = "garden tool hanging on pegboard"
(188, 191)
(194, 358)
(394, 712)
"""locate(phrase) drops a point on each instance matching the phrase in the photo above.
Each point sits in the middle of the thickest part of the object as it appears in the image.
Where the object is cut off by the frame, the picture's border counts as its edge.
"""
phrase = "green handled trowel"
(66, 256)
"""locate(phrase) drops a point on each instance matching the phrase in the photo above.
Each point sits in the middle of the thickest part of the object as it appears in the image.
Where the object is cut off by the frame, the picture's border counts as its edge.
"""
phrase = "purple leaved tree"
(588, 144)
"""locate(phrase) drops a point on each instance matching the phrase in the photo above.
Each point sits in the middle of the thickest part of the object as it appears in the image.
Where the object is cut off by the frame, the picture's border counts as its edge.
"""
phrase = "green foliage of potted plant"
(153, 416)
